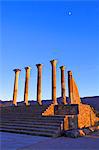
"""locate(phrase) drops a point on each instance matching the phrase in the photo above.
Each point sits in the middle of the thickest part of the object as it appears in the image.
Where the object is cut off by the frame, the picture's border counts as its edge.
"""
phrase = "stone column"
(54, 98)
(15, 91)
(70, 86)
(26, 85)
(63, 86)
(39, 84)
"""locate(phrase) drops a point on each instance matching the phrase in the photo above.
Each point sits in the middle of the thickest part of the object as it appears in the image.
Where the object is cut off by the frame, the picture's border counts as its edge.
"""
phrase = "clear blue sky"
(36, 32)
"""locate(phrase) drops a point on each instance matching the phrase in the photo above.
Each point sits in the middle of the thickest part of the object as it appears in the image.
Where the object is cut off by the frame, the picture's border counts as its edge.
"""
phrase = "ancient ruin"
(50, 119)
(15, 91)
(26, 85)
(39, 84)
(63, 86)
(54, 98)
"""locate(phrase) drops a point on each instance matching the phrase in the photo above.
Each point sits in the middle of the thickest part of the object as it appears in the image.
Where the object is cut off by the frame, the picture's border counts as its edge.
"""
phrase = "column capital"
(53, 61)
(70, 72)
(28, 67)
(62, 67)
(39, 65)
(16, 70)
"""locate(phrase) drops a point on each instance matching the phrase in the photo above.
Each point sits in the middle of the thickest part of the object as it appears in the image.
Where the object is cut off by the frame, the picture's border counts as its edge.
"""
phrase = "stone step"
(49, 126)
(20, 108)
(30, 129)
(31, 120)
(24, 108)
(22, 111)
(28, 120)
(34, 117)
(31, 132)
(33, 123)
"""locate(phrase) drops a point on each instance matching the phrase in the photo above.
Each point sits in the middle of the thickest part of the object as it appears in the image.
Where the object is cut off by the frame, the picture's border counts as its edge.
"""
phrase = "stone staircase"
(28, 120)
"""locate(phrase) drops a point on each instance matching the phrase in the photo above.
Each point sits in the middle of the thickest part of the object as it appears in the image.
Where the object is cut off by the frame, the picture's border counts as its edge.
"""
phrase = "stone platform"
(46, 120)
(28, 120)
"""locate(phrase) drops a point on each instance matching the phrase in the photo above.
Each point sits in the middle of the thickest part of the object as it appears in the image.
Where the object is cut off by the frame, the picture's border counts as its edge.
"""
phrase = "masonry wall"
(69, 109)
(86, 116)
(49, 111)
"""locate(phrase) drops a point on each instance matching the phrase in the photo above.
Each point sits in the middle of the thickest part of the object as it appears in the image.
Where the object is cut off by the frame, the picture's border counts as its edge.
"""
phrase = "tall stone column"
(15, 91)
(26, 89)
(70, 86)
(54, 98)
(39, 84)
(63, 86)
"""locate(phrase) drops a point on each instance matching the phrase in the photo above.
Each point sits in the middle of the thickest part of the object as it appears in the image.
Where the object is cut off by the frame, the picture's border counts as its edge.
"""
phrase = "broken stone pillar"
(39, 84)
(26, 85)
(70, 86)
(63, 86)
(73, 90)
(15, 91)
(54, 98)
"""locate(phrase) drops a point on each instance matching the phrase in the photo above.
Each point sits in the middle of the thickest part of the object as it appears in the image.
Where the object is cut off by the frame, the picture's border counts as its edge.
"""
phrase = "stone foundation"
(75, 116)
(69, 109)
(49, 111)
(86, 116)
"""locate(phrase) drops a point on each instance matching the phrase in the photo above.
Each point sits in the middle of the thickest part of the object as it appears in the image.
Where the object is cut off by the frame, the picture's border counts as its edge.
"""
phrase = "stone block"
(69, 109)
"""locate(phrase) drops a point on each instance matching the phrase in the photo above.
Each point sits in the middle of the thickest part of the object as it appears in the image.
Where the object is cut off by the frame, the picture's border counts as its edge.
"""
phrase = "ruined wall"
(69, 109)
(75, 116)
(70, 122)
(66, 125)
(49, 111)
(76, 97)
(86, 116)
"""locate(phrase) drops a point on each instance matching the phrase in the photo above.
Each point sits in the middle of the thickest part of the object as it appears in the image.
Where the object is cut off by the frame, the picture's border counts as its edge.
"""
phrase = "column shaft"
(15, 90)
(70, 86)
(39, 84)
(54, 98)
(63, 86)
(26, 89)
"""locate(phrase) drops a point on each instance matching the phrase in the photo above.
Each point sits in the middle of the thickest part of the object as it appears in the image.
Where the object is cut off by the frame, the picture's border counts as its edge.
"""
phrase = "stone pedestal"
(15, 91)
(70, 86)
(63, 86)
(39, 84)
(26, 85)
(54, 98)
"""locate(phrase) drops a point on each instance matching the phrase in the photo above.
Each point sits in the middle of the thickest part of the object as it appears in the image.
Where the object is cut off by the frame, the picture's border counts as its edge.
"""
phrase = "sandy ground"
(12, 141)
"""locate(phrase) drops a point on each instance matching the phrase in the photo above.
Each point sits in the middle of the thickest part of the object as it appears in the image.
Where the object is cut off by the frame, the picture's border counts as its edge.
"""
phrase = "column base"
(14, 104)
(55, 103)
(39, 103)
(26, 104)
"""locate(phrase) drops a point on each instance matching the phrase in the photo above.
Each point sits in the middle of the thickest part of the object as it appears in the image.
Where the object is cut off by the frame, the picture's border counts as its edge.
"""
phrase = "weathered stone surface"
(80, 132)
(72, 133)
(86, 131)
(26, 85)
(66, 123)
(73, 89)
(94, 128)
(15, 91)
(63, 86)
(54, 98)
(73, 121)
(28, 120)
(86, 116)
(76, 97)
(69, 109)
(49, 111)
(70, 86)
(39, 84)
